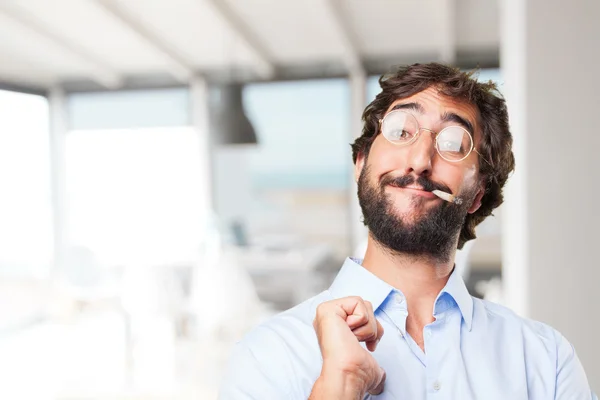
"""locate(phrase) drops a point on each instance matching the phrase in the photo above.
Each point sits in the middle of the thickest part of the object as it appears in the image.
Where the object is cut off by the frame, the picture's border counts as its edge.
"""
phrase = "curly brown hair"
(496, 139)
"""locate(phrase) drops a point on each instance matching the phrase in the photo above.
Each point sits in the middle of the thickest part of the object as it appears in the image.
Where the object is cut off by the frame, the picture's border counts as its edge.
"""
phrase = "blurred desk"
(285, 276)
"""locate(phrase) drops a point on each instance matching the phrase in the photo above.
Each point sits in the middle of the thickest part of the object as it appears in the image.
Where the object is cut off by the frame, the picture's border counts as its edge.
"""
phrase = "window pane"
(129, 109)
(135, 196)
(25, 204)
(285, 201)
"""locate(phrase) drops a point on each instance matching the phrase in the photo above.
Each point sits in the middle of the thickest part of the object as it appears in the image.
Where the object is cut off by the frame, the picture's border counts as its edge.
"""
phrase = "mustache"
(425, 183)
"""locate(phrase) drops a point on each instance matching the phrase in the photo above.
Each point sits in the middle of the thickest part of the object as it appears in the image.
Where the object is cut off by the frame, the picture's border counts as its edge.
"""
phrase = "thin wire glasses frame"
(418, 131)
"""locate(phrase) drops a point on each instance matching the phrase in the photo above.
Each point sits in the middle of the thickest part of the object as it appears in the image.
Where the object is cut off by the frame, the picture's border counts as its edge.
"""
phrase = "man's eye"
(401, 134)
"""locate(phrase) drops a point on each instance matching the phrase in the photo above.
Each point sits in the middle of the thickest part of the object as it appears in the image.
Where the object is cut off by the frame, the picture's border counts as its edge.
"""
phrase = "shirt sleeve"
(259, 368)
(246, 379)
(571, 381)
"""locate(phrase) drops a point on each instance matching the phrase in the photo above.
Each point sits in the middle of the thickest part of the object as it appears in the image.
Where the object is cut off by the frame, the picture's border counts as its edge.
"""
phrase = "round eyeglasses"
(453, 143)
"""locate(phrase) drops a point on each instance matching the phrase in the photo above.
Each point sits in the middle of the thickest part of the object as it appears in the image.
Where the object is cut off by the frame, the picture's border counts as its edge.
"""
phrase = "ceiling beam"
(28, 89)
(264, 66)
(465, 59)
(447, 30)
(101, 73)
(179, 67)
(350, 54)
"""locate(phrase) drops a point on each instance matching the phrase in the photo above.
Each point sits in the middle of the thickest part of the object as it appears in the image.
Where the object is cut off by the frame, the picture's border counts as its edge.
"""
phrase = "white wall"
(550, 56)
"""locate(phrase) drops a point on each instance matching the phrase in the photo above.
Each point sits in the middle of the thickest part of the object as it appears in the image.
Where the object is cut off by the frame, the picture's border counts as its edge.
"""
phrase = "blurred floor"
(85, 359)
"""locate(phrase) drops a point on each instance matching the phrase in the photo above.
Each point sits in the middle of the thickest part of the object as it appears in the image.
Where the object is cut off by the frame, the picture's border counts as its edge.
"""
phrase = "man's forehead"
(432, 101)
(432, 98)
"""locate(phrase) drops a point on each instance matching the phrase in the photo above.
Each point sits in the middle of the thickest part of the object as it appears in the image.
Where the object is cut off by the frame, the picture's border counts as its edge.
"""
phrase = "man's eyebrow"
(409, 106)
(452, 117)
(446, 117)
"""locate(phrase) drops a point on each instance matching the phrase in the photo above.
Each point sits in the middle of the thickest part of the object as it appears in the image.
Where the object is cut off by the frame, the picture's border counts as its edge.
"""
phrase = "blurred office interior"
(174, 172)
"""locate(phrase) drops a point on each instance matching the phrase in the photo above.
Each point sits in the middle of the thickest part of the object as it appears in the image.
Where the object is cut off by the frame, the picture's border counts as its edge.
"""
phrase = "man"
(400, 324)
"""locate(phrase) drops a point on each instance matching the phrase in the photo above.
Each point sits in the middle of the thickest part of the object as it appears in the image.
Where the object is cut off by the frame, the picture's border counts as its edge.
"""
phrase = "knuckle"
(322, 308)
(356, 298)
(363, 318)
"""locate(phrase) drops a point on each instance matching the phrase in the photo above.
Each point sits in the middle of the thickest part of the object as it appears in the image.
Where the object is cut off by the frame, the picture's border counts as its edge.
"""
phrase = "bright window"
(135, 195)
(25, 202)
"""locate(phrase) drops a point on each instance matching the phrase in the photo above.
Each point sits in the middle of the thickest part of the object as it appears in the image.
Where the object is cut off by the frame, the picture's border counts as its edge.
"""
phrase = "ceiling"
(110, 44)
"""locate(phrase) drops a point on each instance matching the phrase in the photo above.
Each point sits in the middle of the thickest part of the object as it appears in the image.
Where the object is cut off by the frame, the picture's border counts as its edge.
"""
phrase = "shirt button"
(428, 334)
(437, 385)
(400, 332)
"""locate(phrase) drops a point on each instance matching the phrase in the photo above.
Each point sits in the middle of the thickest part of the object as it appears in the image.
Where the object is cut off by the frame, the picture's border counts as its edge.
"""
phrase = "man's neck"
(420, 279)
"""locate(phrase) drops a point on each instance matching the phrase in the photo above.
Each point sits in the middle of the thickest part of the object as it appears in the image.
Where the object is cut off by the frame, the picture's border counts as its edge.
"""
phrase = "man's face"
(395, 182)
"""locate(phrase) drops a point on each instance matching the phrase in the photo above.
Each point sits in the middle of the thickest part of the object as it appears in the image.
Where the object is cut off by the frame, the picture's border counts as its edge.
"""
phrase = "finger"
(353, 310)
(342, 307)
(372, 343)
(378, 388)
(355, 321)
(379, 330)
(360, 315)
(366, 333)
(369, 307)
(372, 320)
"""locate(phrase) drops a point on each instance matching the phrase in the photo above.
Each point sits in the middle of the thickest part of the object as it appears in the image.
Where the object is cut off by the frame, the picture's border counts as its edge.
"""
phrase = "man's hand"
(349, 371)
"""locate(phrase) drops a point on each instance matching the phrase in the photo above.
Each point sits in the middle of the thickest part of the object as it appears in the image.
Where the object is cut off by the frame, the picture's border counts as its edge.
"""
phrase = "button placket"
(396, 310)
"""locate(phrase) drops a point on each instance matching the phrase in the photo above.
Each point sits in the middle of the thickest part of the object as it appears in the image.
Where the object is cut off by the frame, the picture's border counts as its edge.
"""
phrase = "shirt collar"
(457, 289)
(354, 280)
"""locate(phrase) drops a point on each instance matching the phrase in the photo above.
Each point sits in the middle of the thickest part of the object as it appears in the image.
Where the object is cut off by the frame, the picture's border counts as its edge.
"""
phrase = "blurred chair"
(86, 282)
(90, 286)
(223, 300)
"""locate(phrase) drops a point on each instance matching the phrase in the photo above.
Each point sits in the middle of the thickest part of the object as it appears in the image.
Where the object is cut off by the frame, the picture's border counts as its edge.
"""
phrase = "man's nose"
(421, 153)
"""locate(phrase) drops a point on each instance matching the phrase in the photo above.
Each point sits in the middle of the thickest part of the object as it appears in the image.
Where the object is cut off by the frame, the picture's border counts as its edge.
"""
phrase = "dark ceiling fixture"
(229, 123)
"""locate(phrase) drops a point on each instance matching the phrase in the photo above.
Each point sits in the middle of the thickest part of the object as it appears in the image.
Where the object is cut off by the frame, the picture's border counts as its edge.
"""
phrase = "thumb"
(378, 389)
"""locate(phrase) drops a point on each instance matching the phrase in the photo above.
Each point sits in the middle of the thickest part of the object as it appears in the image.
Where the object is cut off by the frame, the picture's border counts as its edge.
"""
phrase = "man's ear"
(359, 165)
(477, 201)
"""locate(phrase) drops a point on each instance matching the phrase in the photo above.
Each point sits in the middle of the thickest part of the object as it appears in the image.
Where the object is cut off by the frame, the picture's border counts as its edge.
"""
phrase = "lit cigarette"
(447, 196)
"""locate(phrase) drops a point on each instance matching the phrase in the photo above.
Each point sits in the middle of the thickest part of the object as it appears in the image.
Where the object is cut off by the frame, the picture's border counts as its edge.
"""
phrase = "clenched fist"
(349, 371)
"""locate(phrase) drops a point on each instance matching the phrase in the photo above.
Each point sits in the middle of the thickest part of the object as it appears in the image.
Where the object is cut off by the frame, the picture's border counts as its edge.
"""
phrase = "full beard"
(431, 235)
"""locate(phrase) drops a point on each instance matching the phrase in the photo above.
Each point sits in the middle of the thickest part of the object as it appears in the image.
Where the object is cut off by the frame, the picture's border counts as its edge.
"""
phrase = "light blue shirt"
(474, 350)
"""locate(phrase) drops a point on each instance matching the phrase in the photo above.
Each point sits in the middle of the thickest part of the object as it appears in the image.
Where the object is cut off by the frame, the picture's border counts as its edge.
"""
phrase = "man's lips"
(415, 191)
